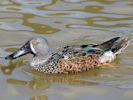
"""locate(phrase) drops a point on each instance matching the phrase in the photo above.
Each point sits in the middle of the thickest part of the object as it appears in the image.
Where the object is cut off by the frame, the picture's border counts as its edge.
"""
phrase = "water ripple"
(65, 22)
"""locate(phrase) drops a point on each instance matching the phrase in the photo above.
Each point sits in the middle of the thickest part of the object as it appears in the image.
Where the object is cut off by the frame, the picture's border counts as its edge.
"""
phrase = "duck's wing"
(68, 52)
(107, 45)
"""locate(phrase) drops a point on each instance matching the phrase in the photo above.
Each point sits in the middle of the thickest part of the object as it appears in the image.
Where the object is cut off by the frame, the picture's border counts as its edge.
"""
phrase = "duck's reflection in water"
(44, 81)
(43, 97)
(8, 69)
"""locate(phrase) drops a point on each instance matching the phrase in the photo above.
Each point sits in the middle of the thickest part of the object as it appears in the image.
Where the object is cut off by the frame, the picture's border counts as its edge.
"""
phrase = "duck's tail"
(116, 45)
(112, 48)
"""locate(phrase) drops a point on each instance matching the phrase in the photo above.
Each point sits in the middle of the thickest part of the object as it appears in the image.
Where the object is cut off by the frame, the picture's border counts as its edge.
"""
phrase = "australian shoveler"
(70, 59)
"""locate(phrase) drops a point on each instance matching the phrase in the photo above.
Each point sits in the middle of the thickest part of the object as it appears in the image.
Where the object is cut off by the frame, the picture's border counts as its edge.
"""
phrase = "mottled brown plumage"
(75, 64)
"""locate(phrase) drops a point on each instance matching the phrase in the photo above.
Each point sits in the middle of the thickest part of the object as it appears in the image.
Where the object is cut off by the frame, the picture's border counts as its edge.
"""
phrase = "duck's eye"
(35, 42)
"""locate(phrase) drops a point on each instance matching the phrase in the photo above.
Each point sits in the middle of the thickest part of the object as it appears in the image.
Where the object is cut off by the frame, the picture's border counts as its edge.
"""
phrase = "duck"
(70, 58)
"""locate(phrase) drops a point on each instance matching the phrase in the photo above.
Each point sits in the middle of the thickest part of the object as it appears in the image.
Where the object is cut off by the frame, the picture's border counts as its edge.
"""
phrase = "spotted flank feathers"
(70, 59)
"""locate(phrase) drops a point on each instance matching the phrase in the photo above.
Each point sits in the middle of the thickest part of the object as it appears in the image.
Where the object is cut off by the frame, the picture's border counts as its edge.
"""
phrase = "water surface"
(65, 22)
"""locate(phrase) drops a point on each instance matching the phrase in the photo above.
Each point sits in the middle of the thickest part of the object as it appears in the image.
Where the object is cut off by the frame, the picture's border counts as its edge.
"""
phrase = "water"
(65, 22)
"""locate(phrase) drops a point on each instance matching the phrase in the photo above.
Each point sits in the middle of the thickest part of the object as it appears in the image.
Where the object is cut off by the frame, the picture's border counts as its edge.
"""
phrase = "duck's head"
(37, 46)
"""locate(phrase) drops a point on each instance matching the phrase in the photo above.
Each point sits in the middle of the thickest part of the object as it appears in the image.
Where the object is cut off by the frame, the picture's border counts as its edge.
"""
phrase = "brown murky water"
(65, 22)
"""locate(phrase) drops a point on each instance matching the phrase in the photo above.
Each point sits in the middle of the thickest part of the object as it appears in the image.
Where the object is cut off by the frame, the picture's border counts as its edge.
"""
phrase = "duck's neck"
(44, 55)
